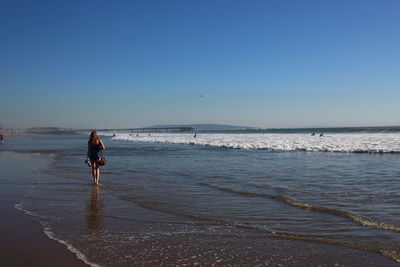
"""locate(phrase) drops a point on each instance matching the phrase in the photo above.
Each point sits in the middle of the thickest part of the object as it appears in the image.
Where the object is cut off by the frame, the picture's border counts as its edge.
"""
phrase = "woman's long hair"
(94, 138)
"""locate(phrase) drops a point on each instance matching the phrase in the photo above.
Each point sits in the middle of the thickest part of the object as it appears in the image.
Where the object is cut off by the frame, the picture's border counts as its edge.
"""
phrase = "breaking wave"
(345, 143)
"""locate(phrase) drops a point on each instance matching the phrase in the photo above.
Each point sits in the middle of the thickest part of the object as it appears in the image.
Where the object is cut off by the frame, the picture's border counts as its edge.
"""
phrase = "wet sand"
(22, 241)
(198, 250)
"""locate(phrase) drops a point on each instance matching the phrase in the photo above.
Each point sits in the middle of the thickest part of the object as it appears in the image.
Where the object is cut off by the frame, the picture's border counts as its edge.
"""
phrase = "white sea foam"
(48, 232)
(26, 212)
(357, 143)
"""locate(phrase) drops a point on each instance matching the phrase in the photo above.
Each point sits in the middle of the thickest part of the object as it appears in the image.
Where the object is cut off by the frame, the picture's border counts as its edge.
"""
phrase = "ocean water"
(169, 199)
(343, 142)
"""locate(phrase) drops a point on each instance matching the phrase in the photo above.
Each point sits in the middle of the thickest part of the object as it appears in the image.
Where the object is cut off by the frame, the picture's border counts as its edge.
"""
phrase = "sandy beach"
(22, 241)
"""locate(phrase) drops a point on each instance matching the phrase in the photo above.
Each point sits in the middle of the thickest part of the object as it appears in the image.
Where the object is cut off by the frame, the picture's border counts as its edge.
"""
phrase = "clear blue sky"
(277, 63)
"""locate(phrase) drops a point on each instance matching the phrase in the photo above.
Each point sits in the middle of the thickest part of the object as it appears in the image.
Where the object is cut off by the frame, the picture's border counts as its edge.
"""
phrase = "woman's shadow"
(95, 209)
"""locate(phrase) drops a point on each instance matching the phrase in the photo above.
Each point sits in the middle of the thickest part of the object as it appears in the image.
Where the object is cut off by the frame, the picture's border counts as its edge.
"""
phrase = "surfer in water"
(95, 145)
(322, 134)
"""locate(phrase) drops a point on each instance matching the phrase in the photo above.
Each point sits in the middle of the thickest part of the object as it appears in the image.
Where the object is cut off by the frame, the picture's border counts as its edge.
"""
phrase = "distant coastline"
(247, 129)
(372, 129)
(220, 128)
(11, 132)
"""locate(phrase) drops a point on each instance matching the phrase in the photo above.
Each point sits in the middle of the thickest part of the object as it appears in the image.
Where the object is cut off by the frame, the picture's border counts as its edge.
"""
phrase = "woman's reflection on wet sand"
(95, 208)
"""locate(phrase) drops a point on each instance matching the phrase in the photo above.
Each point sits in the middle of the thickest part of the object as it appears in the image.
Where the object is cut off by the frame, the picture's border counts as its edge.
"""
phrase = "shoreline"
(34, 245)
(23, 241)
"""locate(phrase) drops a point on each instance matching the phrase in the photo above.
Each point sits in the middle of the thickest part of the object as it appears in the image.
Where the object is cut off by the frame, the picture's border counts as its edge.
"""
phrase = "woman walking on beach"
(95, 145)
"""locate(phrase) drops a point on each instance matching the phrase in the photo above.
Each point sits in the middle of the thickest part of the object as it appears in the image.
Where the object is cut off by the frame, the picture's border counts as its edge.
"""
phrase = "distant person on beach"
(1, 138)
(313, 134)
(95, 145)
(195, 135)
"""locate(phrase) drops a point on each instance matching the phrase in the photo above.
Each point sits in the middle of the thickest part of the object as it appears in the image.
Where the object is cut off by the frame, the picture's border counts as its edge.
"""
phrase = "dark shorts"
(94, 156)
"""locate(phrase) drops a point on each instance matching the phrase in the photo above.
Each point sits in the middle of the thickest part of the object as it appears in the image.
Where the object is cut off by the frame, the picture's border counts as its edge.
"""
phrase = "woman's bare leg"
(97, 174)
(95, 169)
(93, 173)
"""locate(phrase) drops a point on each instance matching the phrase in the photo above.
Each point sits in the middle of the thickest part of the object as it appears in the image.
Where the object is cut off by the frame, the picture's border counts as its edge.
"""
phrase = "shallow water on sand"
(162, 203)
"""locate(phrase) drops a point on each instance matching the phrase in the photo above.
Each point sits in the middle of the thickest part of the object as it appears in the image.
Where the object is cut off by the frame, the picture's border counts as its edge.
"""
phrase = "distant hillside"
(207, 127)
(50, 131)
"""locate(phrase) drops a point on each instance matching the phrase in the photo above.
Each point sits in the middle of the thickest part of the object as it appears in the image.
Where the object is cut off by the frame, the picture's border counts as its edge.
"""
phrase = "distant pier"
(148, 130)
